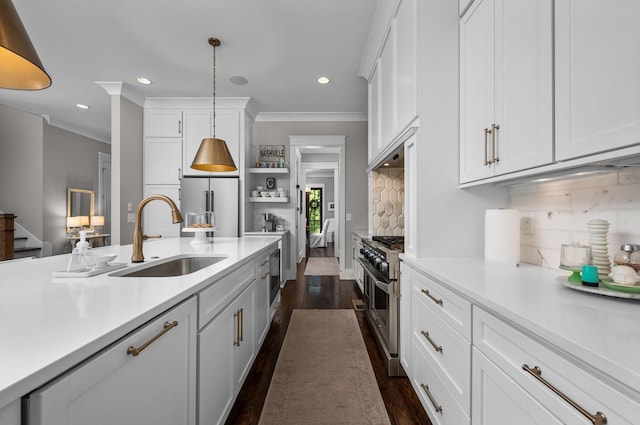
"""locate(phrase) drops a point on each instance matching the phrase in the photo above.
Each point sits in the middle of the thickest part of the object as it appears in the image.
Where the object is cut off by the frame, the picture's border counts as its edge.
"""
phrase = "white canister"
(502, 237)
(254, 194)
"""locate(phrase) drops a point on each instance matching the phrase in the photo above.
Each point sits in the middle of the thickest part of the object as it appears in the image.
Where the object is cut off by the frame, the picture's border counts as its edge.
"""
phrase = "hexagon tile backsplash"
(388, 202)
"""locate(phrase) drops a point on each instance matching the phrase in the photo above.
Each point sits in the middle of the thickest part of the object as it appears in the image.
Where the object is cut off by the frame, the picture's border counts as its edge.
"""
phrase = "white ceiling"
(280, 46)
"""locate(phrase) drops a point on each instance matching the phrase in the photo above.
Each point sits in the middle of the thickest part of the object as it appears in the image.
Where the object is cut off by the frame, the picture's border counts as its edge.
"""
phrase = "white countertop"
(601, 331)
(361, 233)
(51, 325)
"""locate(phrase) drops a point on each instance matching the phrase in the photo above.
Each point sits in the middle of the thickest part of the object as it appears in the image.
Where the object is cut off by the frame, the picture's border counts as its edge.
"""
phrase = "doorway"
(330, 151)
(314, 209)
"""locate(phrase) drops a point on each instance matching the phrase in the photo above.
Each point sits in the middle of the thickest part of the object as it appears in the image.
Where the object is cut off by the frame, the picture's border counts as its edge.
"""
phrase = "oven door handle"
(384, 286)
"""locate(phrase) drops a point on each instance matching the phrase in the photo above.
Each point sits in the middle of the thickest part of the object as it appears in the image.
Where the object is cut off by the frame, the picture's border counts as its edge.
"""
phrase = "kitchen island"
(52, 325)
(508, 330)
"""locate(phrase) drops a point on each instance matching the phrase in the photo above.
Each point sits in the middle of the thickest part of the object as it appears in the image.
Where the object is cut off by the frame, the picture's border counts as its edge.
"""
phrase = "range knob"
(377, 261)
(384, 266)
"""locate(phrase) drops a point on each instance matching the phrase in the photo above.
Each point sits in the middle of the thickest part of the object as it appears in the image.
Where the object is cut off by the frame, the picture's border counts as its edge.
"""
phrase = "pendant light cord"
(214, 90)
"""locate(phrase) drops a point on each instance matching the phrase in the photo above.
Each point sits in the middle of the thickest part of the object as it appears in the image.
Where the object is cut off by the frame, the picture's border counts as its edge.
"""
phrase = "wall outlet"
(527, 226)
(131, 218)
(129, 206)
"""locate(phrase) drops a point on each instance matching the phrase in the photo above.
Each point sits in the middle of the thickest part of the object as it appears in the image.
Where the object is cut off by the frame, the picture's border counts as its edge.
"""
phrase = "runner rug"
(323, 374)
(322, 266)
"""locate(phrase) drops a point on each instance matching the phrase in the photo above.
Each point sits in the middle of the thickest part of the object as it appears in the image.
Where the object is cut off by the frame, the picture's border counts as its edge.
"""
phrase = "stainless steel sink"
(171, 267)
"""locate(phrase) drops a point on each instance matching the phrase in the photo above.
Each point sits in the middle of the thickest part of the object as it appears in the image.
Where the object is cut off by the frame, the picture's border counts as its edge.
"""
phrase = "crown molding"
(310, 116)
(75, 129)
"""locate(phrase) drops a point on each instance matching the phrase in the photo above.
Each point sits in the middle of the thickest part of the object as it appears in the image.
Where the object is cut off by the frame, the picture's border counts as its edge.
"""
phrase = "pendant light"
(213, 154)
(20, 66)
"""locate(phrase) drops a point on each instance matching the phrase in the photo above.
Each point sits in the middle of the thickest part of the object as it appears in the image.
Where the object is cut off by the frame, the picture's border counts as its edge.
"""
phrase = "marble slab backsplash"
(561, 209)
(387, 202)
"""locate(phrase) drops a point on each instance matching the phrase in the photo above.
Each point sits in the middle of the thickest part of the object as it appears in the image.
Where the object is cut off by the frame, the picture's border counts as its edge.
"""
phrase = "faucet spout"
(137, 256)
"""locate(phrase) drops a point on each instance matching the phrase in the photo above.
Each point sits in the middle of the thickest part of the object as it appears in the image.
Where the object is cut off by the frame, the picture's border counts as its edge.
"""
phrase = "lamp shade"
(213, 155)
(84, 220)
(74, 221)
(97, 220)
(20, 66)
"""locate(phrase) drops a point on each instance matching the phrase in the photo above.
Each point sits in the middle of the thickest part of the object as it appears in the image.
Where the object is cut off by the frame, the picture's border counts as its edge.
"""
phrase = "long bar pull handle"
(264, 276)
(431, 399)
(241, 324)
(436, 347)
(486, 142)
(598, 419)
(206, 200)
(435, 300)
(179, 126)
(494, 132)
(167, 327)
(236, 342)
(264, 263)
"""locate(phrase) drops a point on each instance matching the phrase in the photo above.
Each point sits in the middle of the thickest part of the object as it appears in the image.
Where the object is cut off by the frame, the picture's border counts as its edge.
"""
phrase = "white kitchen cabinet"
(10, 414)
(518, 359)
(263, 283)
(198, 125)
(597, 66)
(226, 350)
(506, 72)
(116, 386)
(162, 123)
(156, 216)
(393, 82)
(162, 160)
(500, 401)
(405, 317)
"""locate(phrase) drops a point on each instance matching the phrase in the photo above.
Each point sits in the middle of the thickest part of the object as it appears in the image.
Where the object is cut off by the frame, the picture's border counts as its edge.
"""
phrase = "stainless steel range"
(380, 260)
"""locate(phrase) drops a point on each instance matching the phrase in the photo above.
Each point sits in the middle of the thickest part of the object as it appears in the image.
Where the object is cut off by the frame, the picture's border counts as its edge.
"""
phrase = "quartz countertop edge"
(599, 333)
(51, 325)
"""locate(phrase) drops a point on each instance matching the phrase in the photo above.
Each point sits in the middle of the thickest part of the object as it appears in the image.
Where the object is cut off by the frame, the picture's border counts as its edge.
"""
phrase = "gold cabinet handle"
(167, 327)
(598, 419)
(236, 342)
(436, 347)
(264, 275)
(494, 131)
(435, 300)
(264, 262)
(431, 399)
(486, 141)
(179, 126)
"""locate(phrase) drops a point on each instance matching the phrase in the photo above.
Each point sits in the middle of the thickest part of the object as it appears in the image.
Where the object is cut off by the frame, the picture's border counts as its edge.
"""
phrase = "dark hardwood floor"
(321, 292)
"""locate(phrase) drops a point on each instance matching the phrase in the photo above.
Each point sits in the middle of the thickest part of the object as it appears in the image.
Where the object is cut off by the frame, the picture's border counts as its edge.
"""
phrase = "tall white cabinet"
(173, 130)
(506, 72)
(597, 68)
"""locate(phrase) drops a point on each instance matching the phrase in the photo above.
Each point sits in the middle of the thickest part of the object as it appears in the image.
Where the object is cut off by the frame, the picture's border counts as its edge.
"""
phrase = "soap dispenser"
(81, 257)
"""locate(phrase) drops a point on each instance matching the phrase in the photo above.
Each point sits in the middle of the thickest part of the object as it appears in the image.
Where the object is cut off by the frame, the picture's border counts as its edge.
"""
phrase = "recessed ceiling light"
(238, 80)
(82, 106)
(143, 80)
(386, 164)
(323, 80)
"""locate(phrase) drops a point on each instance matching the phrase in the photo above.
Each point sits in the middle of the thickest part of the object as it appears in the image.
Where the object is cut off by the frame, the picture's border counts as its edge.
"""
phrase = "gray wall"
(70, 160)
(21, 170)
(277, 133)
(450, 219)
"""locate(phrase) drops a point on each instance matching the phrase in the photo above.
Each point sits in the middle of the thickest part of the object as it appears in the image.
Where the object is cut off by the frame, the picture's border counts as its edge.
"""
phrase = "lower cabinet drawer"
(440, 404)
(213, 299)
(545, 375)
(449, 350)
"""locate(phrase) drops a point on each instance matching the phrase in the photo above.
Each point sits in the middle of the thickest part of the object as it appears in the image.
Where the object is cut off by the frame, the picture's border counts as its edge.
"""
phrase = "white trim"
(118, 88)
(196, 102)
(310, 116)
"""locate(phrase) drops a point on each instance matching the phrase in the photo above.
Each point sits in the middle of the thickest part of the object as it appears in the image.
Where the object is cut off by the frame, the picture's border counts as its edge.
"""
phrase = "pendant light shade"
(213, 153)
(20, 66)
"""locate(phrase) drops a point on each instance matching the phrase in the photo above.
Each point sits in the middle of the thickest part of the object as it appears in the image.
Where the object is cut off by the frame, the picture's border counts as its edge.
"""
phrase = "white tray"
(88, 273)
(600, 290)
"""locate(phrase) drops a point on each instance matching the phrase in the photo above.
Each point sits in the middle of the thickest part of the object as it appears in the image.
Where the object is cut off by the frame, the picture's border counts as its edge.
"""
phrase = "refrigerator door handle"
(213, 202)
(206, 200)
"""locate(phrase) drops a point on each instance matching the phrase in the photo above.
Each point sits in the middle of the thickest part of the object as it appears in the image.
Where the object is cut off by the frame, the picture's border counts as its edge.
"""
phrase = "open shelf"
(268, 199)
(269, 170)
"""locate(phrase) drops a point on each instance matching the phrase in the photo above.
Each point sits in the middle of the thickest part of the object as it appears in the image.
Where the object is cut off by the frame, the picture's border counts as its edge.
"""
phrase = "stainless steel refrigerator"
(216, 194)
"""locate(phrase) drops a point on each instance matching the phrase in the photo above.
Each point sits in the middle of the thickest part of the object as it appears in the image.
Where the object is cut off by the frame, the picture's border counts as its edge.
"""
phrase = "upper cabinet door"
(477, 89)
(506, 74)
(597, 76)
(163, 123)
(524, 84)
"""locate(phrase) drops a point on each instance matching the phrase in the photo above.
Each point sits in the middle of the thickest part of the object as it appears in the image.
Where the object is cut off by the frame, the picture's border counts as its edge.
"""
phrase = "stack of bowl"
(598, 230)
